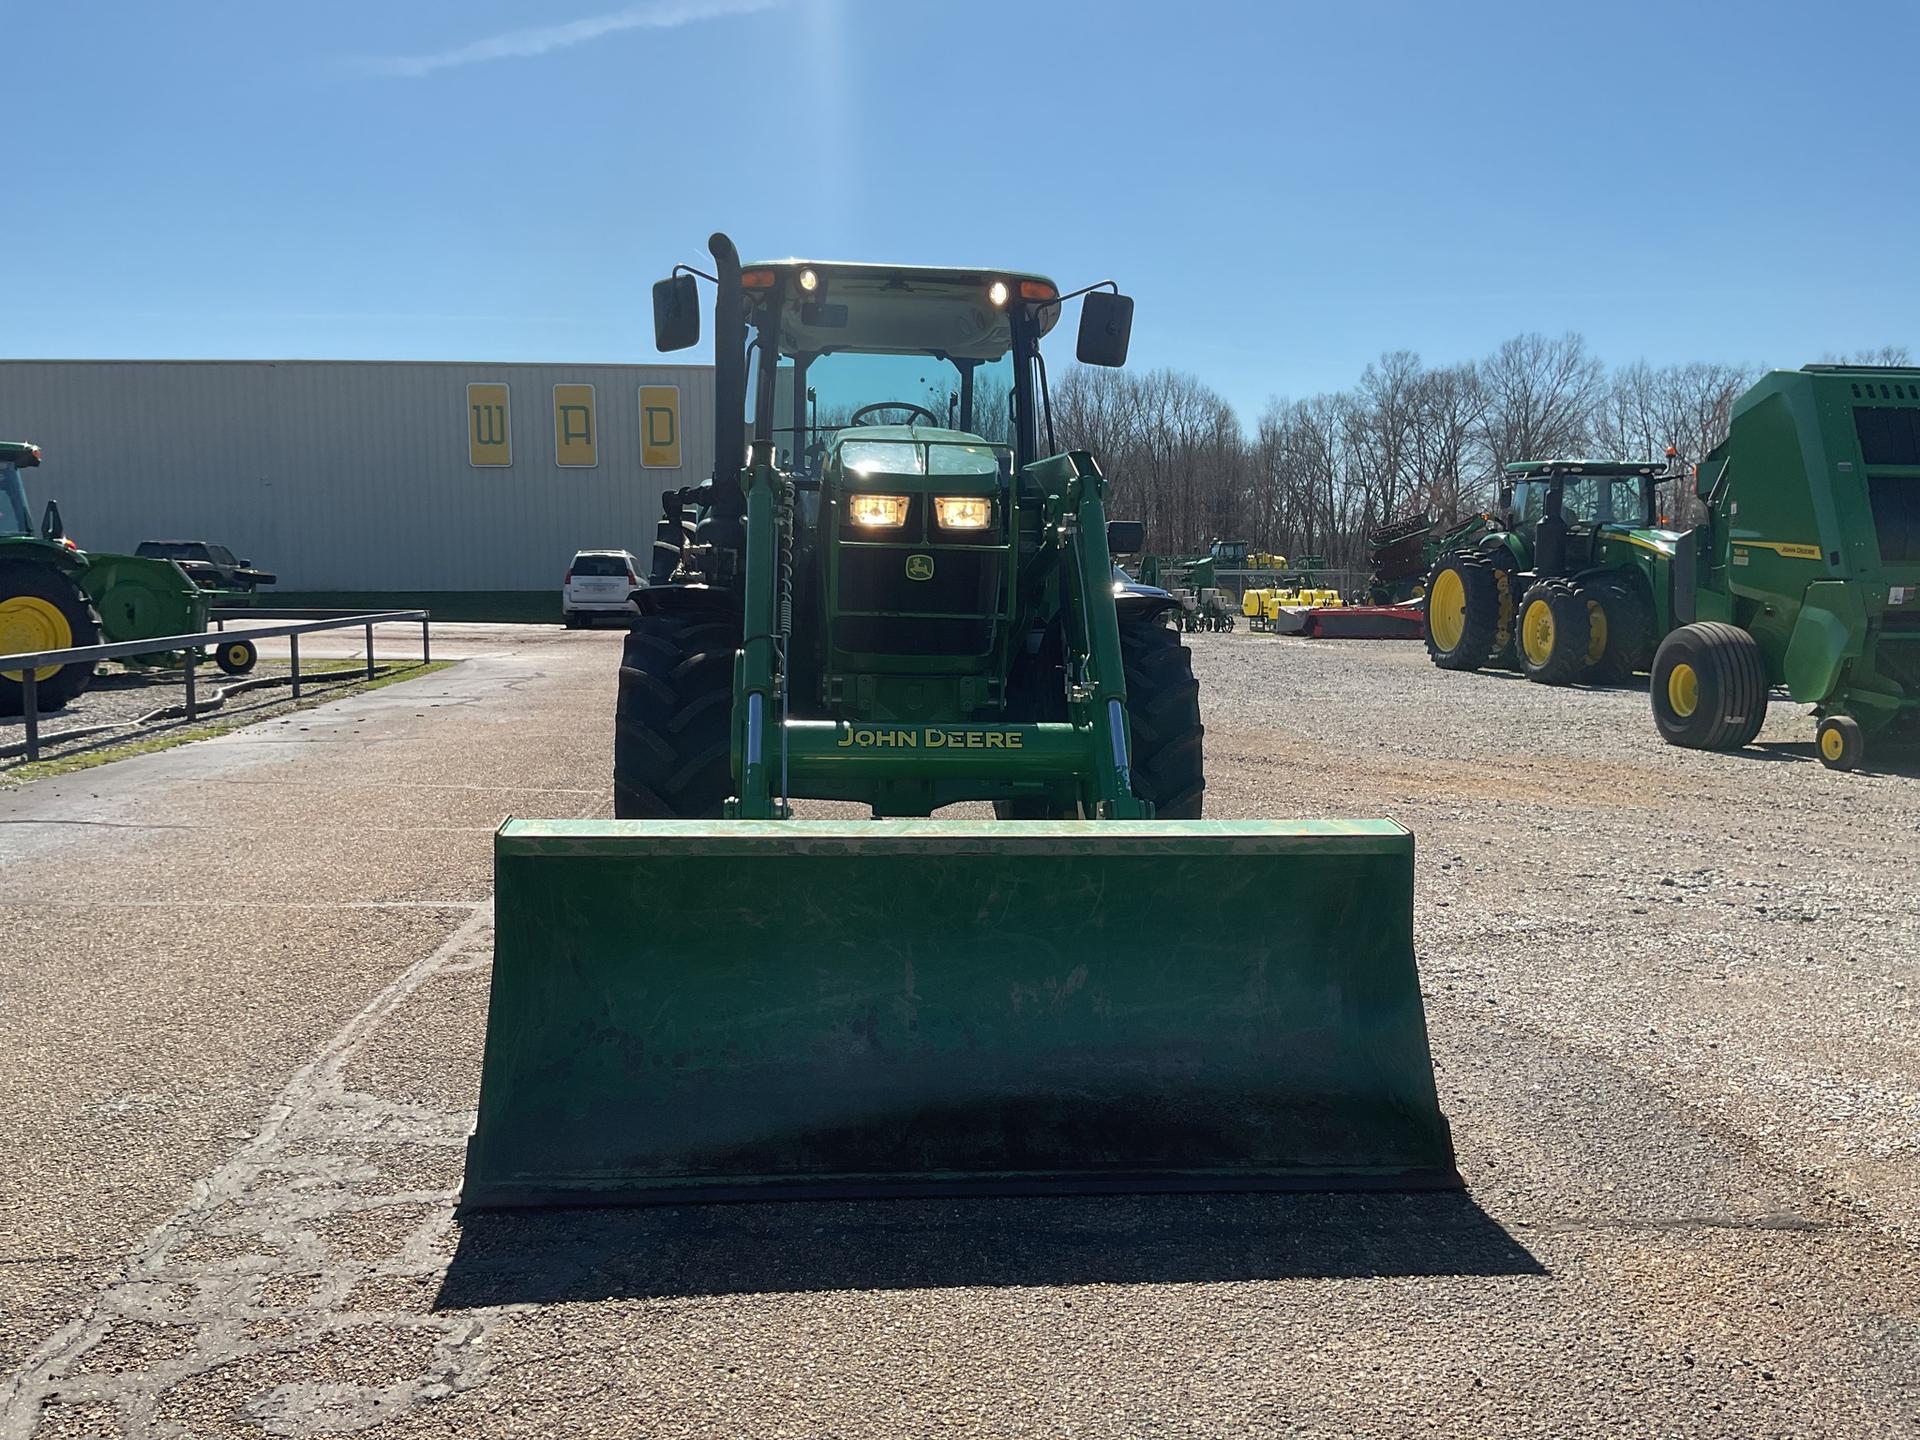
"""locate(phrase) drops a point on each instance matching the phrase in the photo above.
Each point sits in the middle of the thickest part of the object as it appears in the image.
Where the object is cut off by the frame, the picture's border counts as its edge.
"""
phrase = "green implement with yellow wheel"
(1805, 574)
(898, 591)
(56, 596)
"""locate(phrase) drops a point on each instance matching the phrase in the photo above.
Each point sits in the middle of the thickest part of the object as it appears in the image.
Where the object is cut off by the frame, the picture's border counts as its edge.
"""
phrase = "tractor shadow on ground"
(541, 1257)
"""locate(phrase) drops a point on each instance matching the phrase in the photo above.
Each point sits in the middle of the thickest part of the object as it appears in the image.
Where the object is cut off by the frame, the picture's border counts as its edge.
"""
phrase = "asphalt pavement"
(1672, 1002)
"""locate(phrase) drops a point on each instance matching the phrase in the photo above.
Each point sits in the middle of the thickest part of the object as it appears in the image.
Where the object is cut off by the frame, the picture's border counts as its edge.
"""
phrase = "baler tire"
(1629, 642)
(1708, 687)
(1566, 626)
(1479, 615)
(1841, 742)
(48, 589)
(1165, 735)
(673, 732)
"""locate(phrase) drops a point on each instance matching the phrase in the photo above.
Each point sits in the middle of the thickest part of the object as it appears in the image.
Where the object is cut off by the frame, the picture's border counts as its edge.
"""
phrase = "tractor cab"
(16, 517)
(904, 407)
(1563, 509)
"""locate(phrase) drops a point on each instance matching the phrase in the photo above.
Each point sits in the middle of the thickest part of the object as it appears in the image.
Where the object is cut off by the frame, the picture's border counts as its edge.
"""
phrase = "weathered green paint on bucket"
(686, 1010)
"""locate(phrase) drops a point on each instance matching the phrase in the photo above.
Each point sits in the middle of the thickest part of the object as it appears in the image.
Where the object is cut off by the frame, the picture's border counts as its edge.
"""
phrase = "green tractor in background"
(56, 596)
(913, 606)
(1192, 581)
(1568, 583)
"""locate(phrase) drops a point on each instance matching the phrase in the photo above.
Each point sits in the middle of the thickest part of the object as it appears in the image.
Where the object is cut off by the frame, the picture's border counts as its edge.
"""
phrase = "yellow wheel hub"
(1683, 691)
(29, 623)
(1833, 744)
(1536, 632)
(1447, 610)
(1596, 632)
(236, 654)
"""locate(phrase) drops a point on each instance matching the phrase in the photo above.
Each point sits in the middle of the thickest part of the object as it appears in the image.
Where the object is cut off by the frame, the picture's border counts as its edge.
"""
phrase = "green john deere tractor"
(1568, 584)
(56, 596)
(1199, 601)
(912, 607)
(1805, 575)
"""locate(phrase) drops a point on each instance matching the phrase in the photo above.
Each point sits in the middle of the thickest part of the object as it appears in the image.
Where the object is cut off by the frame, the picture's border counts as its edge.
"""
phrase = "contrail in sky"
(543, 39)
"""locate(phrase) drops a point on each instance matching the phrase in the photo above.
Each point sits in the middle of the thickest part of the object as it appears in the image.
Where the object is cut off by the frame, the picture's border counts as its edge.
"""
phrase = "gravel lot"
(1672, 1003)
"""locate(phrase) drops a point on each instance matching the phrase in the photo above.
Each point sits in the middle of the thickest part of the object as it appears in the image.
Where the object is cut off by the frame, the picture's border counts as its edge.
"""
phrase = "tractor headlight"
(878, 512)
(963, 512)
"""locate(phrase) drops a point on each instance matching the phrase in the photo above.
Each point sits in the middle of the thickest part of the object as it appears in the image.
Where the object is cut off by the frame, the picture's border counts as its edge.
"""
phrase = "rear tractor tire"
(1562, 632)
(1165, 738)
(1709, 687)
(1468, 619)
(41, 609)
(672, 742)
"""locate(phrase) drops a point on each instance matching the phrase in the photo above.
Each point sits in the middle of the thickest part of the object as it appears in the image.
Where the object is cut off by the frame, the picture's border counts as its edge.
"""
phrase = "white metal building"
(365, 475)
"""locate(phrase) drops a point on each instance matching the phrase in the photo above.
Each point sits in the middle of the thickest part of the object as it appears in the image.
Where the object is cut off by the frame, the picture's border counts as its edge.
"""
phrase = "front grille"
(951, 612)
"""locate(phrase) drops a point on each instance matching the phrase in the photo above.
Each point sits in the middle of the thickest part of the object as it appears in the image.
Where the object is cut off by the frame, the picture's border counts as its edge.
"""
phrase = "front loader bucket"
(687, 1010)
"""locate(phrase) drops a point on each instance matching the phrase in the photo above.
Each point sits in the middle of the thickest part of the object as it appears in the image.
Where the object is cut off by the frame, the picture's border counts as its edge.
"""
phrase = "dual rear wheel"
(1598, 631)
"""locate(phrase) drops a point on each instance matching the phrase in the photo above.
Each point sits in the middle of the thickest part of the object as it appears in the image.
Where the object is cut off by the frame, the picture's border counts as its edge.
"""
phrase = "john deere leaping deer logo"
(919, 567)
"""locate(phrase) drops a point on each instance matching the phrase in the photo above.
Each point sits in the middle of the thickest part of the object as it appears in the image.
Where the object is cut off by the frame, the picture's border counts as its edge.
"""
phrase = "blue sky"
(1288, 190)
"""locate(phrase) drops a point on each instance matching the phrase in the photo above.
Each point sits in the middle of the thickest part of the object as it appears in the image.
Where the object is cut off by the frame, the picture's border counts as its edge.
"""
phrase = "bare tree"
(1541, 396)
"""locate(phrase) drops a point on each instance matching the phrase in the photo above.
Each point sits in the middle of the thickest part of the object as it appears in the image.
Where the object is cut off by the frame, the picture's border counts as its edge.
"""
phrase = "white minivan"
(599, 582)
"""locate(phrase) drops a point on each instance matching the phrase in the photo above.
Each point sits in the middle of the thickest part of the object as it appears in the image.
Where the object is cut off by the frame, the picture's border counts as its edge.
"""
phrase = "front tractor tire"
(1165, 738)
(1165, 735)
(1469, 613)
(1709, 687)
(42, 609)
(672, 757)
(1626, 646)
(1562, 630)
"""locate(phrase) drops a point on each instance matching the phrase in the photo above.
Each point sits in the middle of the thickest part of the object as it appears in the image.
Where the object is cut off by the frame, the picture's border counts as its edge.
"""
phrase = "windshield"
(13, 502)
(1585, 500)
(925, 390)
(1603, 500)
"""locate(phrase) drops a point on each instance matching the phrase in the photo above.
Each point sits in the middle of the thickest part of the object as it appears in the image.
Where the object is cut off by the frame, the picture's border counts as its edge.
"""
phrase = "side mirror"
(676, 313)
(52, 527)
(1106, 324)
(246, 564)
(1126, 537)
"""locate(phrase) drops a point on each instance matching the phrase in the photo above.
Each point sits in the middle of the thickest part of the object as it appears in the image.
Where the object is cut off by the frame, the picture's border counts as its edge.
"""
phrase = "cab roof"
(896, 309)
(1583, 467)
(19, 452)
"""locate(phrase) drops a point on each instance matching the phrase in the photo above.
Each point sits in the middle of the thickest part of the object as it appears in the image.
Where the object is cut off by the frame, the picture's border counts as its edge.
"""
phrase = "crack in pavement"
(215, 1284)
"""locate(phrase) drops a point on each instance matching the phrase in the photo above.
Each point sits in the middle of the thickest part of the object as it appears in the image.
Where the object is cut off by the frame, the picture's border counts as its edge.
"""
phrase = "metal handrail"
(162, 643)
(29, 661)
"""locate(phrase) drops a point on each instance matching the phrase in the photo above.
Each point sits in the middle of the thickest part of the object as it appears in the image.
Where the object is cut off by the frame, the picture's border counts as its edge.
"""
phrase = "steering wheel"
(859, 416)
